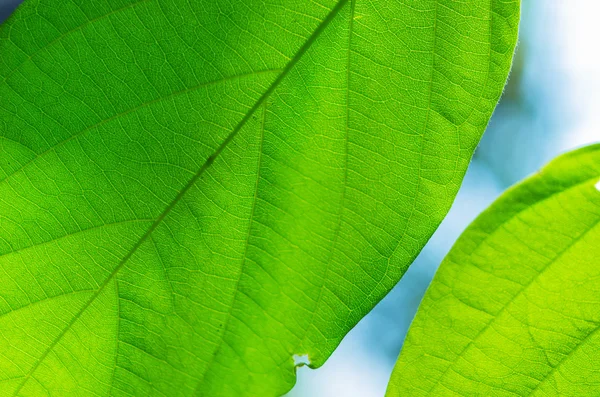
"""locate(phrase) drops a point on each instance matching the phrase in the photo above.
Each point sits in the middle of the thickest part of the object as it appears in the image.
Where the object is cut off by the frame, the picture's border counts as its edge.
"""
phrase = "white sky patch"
(578, 30)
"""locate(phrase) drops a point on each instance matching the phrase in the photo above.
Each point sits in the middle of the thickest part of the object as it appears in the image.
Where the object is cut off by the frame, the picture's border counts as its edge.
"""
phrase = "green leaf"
(514, 309)
(193, 192)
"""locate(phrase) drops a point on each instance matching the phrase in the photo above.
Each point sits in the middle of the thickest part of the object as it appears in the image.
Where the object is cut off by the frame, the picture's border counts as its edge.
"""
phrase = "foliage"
(193, 192)
(513, 309)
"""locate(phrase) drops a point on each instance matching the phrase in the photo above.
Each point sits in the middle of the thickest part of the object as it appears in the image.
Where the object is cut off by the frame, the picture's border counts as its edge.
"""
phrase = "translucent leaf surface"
(514, 309)
(192, 193)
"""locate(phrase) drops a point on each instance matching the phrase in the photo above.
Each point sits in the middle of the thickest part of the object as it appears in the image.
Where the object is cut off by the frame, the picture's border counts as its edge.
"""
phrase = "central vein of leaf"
(290, 65)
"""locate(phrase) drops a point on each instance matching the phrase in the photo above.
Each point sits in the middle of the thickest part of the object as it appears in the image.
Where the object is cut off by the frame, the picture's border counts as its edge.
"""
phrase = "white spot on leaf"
(598, 186)
(301, 360)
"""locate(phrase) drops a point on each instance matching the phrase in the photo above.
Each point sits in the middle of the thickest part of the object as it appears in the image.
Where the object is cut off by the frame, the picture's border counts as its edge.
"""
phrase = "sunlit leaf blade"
(193, 192)
(514, 309)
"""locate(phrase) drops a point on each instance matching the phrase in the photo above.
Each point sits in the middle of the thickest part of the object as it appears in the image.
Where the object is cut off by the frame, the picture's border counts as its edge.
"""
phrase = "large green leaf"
(514, 309)
(193, 192)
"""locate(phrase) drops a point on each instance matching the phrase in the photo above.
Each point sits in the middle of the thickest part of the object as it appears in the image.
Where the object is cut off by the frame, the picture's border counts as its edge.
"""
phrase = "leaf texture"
(192, 192)
(514, 309)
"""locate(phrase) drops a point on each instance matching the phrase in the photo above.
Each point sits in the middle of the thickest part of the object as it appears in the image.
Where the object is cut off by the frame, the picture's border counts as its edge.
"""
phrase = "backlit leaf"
(194, 192)
(514, 309)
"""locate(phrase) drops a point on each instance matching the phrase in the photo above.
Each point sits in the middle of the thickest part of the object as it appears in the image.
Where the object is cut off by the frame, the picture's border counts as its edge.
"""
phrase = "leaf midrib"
(525, 287)
(209, 161)
(555, 368)
(133, 110)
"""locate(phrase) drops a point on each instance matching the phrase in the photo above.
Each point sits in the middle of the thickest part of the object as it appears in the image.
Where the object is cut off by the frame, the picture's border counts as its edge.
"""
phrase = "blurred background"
(550, 105)
(6, 7)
